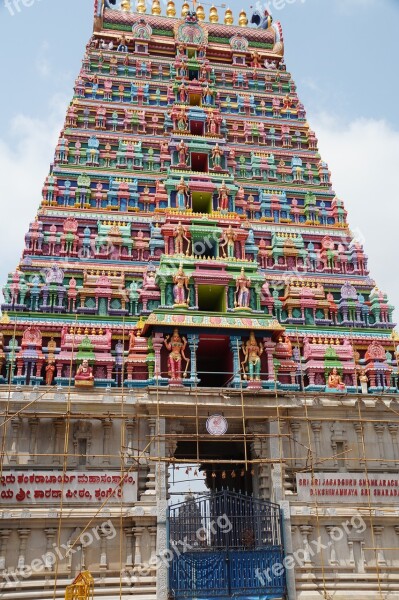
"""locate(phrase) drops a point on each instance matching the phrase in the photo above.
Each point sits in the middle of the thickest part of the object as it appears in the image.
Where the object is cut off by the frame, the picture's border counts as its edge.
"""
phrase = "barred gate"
(226, 545)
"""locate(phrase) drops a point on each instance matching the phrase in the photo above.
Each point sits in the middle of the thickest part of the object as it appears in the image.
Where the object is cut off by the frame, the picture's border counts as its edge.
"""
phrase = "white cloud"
(363, 156)
(24, 163)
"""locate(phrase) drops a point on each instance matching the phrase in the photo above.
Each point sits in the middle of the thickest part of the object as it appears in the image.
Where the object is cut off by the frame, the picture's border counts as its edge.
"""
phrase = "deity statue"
(229, 238)
(182, 152)
(243, 294)
(223, 197)
(182, 194)
(50, 370)
(180, 236)
(364, 382)
(217, 154)
(84, 375)
(180, 289)
(176, 347)
(335, 382)
(252, 353)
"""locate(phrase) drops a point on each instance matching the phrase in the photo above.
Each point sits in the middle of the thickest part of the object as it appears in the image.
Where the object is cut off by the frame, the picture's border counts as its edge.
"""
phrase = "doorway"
(214, 360)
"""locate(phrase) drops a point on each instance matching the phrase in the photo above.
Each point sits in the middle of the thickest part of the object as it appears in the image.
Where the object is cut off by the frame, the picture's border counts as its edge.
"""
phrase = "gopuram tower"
(190, 303)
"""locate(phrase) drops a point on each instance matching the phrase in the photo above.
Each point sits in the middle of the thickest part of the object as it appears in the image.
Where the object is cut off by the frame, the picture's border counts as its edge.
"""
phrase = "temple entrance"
(219, 475)
(229, 540)
(211, 298)
(214, 357)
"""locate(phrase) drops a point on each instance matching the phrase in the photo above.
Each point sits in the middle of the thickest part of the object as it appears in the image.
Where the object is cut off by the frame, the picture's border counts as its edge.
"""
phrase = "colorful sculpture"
(252, 358)
(157, 138)
(176, 347)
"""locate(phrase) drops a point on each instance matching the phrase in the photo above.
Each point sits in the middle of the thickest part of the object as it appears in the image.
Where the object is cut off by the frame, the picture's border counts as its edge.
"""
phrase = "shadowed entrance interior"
(214, 360)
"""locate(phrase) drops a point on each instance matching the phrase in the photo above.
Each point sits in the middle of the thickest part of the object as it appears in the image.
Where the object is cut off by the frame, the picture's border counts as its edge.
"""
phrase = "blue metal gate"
(226, 545)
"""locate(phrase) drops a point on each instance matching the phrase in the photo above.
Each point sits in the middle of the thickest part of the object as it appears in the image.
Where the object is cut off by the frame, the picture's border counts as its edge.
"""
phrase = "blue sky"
(342, 54)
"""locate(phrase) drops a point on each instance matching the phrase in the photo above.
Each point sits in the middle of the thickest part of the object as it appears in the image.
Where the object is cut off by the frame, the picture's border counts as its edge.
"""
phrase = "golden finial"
(228, 17)
(156, 7)
(141, 7)
(171, 9)
(200, 12)
(242, 19)
(213, 15)
(185, 9)
(126, 5)
(5, 319)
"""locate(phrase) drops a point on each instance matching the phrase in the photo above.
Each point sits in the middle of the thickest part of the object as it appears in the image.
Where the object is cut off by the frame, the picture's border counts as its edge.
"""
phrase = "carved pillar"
(193, 341)
(296, 428)
(15, 428)
(103, 551)
(23, 540)
(138, 562)
(157, 343)
(152, 451)
(378, 531)
(129, 547)
(4, 536)
(130, 425)
(316, 427)
(50, 535)
(153, 546)
(306, 531)
(333, 552)
(269, 349)
(393, 431)
(107, 425)
(358, 427)
(235, 344)
(58, 425)
(33, 426)
(379, 430)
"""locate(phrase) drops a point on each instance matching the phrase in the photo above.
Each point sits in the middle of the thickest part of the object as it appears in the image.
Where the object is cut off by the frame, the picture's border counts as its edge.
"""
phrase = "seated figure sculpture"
(335, 381)
(84, 375)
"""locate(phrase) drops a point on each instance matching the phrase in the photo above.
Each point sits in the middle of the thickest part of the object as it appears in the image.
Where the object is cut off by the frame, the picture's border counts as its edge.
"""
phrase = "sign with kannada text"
(348, 487)
(47, 487)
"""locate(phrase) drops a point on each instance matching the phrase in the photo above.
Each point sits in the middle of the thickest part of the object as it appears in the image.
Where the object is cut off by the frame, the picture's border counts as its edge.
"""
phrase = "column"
(4, 536)
(333, 552)
(393, 431)
(107, 425)
(50, 535)
(129, 547)
(316, 427)
(380, 429)
(153, 547)
(33, 426)
(157, 343)
(23, 540)
(193, 341)
(58, 425)
(130, 424)
(306, 531)
(138, 562)
(295, 428)
(152, 451)
(235, 345)
(378, 531)
(269, 349)
(358, 427)
(103, 551)
(15, 427)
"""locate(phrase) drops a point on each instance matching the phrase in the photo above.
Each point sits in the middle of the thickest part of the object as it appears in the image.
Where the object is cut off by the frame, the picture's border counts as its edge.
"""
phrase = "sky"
(342, 54)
